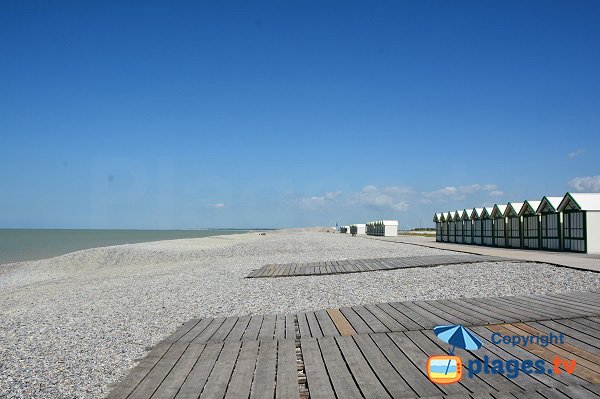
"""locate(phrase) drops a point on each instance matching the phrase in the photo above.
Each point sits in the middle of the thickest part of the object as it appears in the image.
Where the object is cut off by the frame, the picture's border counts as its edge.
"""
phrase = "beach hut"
(358, 229)
(581, 222)
(451, 227)
(477, 226)
(531, 224)
(438, 226)
(467, 226)
(457, 217)
(550, 223)
(487, 226)
(390, 228)
(499, 225)
(344, 229)
(513, 224)
(444, 227)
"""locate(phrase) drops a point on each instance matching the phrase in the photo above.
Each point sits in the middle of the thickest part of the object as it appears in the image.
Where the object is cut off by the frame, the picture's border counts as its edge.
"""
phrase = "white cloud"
(217, 205)
(459, 193)
(586, 183)
(576, 153)
(396, 198)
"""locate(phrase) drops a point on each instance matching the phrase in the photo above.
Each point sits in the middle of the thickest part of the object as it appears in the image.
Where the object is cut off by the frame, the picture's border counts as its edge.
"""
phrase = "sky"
(168, 115)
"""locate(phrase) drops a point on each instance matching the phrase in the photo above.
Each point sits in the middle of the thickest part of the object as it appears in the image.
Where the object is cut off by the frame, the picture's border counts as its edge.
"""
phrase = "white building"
(551, 220)
(499, 225)
(438, 226)
(581, 222)
(358, 229)
(531, 224)
(458, 223)
(477, 226)
(386, 228)
(513, 224)
(487, 226)
(467, 226)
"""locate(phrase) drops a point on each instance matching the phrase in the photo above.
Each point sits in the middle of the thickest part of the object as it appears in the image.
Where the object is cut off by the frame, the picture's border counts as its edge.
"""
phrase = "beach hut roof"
(529, 208)
(449, 216)
(498, 211)
(580, 202)
(437, 217)
(390, 222)
(466, 214)
(513, 208)
(476, 214)
(456, 215)
(487, 211)
(549, 204)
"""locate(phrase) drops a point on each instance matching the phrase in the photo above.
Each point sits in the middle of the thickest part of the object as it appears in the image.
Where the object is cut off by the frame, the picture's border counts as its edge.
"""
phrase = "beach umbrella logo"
(447, 369)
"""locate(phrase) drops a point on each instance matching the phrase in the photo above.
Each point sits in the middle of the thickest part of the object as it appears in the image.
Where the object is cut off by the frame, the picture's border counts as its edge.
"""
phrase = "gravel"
(74, 325)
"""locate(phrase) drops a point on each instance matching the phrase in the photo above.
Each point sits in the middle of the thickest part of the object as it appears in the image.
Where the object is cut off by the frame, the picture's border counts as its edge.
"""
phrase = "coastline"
(76, 323)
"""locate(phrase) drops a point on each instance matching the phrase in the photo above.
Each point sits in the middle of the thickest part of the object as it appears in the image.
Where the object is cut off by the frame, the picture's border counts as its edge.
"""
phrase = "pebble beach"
(72, 326)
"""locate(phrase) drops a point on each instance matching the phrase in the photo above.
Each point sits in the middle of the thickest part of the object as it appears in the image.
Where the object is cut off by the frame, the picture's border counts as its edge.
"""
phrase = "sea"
(17, 245)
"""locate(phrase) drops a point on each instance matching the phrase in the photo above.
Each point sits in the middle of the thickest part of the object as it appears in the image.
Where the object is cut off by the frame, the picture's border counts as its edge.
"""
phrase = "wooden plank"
(197, 378)
(219, 377)
(238, 330)
(490, 316)
(174, 380)
(287, 375)
(412, 315)
(196, 330)
(224, 330)
(263, 386)
(158, 373)
(413, 358)
(290, 327)
(280, 326)
(566, 328)
(356, 322)
(341, 379)
(374, 324)
(341, 323)
(464, 312)
(574, 308)
(578, 392)
(507, 313)
(138, 373)
(316, 374)
(181, 331)
(243, 373)
(389, 322)
(253, 329)
(267, 328)
(315, 329)
(400, 317)
(572, 340)
(367, 381)
(432, 317)
(386, 373)
(454, 317)
(303, 325)
(326, 324)
(209, 331)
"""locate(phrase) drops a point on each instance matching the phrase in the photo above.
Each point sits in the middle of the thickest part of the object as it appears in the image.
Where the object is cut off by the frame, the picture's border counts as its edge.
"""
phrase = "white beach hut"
(467, 226)
(358, 229)
(487, 226)
(513, 224)
(499, 225)
(438, 226)
(390, 228)
(531, 224)
(551, 220)
(451, 227)
(477, 226)
(458, 223)
(581, 222)
(444, 224)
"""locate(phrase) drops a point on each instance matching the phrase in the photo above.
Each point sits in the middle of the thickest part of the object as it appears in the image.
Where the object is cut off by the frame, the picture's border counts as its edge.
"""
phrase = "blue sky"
(289, 113)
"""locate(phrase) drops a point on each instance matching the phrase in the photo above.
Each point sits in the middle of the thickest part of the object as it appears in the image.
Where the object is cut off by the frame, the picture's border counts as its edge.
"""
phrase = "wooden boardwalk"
(373, 351)
(367, 265)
